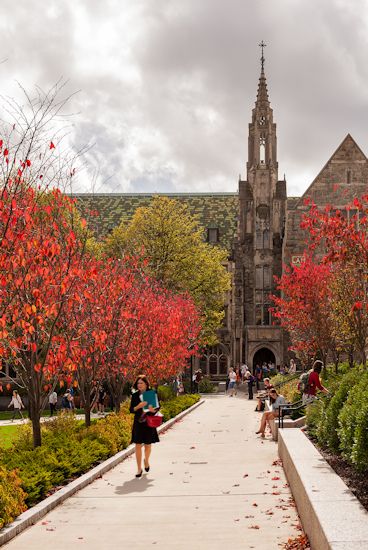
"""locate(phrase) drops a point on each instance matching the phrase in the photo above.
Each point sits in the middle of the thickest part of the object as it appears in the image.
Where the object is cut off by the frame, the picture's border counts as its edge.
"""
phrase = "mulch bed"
(356, 481)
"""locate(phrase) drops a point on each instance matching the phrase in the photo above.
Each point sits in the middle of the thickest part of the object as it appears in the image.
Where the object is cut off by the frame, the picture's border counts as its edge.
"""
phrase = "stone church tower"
(257, 249)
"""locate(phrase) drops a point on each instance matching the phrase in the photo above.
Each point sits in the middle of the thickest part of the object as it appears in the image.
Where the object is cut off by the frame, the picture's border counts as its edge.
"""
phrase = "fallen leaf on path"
(254, 527)
(245, 475)
(275, 478)
(254, 504)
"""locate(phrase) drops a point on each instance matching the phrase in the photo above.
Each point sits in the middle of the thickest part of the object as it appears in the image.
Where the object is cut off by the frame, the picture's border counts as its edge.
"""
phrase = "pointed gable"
(344, 176)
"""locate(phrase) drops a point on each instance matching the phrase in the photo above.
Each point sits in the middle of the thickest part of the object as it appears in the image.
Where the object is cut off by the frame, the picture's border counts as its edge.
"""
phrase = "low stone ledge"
(34, 514)
(330, 514)
(288, 422)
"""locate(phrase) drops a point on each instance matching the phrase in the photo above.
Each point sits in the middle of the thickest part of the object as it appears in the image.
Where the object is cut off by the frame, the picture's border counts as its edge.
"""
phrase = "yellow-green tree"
(171, 241)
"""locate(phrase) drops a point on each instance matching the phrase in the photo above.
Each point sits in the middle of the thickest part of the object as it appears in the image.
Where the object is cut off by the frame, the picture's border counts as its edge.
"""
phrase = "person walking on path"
(276, 400)
(142, 434)
(17, 403)
(52, 402)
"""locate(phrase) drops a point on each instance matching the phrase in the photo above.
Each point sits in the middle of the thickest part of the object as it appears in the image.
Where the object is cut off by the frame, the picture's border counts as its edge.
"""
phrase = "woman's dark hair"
(273, 395)
(317, 366)
(144, 378)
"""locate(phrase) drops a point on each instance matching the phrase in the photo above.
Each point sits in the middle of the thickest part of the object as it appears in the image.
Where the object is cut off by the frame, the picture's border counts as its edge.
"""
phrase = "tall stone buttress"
(257, 249)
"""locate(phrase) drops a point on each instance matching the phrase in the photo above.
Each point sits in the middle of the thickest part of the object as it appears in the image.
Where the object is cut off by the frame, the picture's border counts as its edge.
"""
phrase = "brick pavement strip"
(212, 483)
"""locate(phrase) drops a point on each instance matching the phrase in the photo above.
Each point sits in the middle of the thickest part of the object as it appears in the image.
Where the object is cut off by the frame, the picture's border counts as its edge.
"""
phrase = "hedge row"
(340, 424)
(69, 449)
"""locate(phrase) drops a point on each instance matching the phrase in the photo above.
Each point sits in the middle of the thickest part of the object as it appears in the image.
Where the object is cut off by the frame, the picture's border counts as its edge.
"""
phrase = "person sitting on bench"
(265, 394)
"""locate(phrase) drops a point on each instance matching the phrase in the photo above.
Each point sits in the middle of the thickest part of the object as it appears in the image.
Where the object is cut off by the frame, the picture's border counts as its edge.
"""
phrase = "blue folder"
(151, 397)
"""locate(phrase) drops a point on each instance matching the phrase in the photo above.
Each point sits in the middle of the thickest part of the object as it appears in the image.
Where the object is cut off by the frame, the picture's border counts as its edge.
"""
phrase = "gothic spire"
(262, 94)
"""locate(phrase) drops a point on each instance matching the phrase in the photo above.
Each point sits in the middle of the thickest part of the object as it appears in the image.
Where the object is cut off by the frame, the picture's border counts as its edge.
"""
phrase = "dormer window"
(213, 235)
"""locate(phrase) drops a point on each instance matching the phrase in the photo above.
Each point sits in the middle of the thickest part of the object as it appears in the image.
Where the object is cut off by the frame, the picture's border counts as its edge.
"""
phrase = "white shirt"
(232, 376)
(53, 398)
(16, 402)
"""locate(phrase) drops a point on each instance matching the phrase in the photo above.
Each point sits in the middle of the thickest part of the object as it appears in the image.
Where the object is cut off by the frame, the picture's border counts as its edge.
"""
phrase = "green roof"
(211, 209)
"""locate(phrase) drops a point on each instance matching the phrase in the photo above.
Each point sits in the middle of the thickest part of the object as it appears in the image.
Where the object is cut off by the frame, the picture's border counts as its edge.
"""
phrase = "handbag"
(154, 420)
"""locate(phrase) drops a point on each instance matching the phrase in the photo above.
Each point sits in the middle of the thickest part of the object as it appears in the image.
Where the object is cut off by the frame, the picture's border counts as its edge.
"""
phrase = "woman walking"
(17, 403)
(142, 434)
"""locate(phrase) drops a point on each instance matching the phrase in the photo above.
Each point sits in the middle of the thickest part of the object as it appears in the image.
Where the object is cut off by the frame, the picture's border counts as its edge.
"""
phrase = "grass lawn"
(7, 434)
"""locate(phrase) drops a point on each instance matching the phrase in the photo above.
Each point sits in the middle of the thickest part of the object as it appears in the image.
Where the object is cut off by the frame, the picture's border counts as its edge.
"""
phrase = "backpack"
(304, 382)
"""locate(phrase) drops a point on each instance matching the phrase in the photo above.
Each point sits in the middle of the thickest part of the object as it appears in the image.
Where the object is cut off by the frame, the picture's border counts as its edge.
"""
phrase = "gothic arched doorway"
(263, 355)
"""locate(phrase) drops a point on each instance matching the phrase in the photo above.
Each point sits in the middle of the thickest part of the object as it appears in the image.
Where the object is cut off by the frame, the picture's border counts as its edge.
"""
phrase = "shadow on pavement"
(134, 486)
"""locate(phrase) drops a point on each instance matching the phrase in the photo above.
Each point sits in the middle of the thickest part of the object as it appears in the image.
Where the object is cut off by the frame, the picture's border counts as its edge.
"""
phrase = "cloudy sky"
(166, 87)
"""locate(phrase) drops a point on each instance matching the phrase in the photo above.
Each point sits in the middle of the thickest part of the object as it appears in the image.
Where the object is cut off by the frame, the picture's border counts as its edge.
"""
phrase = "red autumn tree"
(341, 238)
(304, 307)
(40, 256)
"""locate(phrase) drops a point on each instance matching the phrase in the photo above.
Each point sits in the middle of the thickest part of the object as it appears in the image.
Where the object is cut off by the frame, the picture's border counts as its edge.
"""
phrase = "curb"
(332, 517)
(31, 516)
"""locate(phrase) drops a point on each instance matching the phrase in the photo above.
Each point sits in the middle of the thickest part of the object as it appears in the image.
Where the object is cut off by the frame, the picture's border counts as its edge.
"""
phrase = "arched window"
(213, 364)
(266, 238)
(262, 150)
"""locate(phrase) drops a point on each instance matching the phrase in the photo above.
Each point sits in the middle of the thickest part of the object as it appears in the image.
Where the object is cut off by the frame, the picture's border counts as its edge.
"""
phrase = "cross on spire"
(262, 45)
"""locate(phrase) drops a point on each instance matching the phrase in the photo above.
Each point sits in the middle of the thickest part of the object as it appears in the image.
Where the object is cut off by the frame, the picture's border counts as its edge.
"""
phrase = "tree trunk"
(87, 409)
(36, 426)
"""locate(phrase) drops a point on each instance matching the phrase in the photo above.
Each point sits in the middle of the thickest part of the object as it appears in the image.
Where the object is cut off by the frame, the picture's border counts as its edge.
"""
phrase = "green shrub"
(359, 453)
(328, 433)
(290, 391)
(12, 496)
(176, 406)
(165, 393)
(314, 414)
(348, 417)
(206, 386)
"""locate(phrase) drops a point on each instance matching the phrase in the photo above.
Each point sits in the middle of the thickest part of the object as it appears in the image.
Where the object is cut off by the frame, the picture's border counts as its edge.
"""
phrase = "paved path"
(213, 485)
(19, 421)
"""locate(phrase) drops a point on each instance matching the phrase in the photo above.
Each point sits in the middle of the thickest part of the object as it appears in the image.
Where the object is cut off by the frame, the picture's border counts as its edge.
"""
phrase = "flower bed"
(69, 449)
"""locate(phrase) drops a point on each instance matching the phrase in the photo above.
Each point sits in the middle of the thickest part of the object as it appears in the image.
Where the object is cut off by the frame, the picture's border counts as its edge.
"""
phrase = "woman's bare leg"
(147, 454)
(138, 457)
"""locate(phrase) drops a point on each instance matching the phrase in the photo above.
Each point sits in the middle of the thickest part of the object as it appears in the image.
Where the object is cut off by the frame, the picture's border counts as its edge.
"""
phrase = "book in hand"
(150, 397)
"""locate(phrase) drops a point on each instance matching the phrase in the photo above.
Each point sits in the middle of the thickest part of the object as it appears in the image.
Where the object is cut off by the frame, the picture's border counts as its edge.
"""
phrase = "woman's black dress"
(141, 433)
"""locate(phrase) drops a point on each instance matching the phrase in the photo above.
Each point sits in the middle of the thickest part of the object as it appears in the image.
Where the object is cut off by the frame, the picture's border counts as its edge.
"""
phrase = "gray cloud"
(167, 87)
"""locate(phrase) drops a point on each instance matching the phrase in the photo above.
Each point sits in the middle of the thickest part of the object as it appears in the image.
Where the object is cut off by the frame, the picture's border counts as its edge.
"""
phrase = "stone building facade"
(259, 226)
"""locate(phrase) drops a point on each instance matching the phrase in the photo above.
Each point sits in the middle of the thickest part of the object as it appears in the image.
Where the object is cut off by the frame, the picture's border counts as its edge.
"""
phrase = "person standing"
(101, 400)
(314, 383)
(142, 434)
(198, 377)
(17, 403)
(292, 369)
(250, 381)
(232, 382)
(243, 370)
(258, 375)
(52, 402)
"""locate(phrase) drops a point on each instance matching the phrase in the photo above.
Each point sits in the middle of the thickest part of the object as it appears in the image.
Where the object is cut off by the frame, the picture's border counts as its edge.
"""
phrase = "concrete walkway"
(213, 485)
(19, 421)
